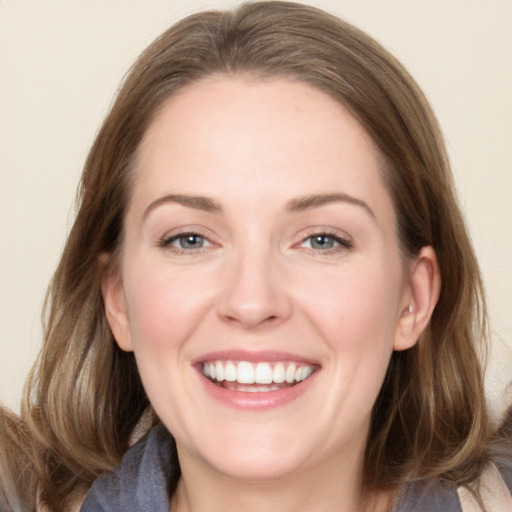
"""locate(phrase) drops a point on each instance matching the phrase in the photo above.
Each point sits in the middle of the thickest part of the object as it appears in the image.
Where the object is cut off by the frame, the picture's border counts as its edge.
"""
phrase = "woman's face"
(261, 285)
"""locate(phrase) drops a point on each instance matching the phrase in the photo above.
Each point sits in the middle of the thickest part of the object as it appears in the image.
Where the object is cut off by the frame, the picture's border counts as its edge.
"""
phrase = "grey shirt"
(148, 474)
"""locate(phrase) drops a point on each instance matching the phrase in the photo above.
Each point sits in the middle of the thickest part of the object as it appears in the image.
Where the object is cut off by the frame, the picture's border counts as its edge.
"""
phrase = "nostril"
(271, 318)
(252, 302)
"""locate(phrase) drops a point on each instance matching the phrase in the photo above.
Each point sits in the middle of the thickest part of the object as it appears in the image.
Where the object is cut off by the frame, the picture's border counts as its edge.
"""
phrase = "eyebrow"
(316, 200)
(298, 204)
(205, 204)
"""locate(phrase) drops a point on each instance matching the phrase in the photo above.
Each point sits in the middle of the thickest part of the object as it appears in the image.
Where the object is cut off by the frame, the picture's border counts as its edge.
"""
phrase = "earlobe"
(424, 286)
(115, 308)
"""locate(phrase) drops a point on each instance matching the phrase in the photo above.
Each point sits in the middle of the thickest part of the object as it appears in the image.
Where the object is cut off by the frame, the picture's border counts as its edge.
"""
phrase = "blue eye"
(190, 241)
(322, 242)
(186, 241)
(326, 242)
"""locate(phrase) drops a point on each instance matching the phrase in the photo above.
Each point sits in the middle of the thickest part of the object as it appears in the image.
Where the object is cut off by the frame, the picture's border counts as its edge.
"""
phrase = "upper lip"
(255, 356)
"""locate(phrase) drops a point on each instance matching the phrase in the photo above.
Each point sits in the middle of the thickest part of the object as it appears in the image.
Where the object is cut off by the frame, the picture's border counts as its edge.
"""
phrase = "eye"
(326, 242)
(186, 241)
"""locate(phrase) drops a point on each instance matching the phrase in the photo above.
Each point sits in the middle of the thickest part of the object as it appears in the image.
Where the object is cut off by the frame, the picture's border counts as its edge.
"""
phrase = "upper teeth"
(244, 372)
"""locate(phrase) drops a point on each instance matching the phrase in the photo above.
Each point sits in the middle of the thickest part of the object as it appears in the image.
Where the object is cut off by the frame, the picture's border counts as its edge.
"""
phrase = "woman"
(269, 268)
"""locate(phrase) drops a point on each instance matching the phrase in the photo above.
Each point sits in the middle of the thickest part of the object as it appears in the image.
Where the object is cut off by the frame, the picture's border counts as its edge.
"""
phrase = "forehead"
(280, 107)
(273, 138)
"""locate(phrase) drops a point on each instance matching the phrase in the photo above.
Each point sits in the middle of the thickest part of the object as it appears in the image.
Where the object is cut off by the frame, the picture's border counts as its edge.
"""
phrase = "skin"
(256, 149)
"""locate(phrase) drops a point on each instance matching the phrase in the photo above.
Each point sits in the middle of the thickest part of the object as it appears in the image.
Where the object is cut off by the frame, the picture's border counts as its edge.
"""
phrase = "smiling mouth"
(256, 377)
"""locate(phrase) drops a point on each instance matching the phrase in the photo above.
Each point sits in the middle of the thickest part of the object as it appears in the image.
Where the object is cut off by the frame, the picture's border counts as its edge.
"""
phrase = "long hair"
(84, 396)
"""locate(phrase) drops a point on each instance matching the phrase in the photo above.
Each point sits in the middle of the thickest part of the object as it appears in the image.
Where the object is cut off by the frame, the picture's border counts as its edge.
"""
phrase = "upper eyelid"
(342, 241)
(168, 244)
(186, 230)
(167, 239)
(336, 233)
(328, 231)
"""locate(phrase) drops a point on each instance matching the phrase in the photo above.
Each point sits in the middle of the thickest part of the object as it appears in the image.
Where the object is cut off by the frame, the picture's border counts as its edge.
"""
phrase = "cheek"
(164, 306)
(361, 300)
(355, 313)
(165, 310)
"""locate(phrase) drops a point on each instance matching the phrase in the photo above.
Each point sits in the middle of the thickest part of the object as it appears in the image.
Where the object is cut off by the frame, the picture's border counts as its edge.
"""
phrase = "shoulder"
(428, 496)
(143, 479)
(494, 487)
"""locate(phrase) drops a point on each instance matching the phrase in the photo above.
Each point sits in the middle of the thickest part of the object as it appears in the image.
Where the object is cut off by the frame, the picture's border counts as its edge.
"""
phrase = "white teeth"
(257, 389)
(219, 371)
(290, 373)
(245, 372)
(279, 373)
(230, 372)
(306, 372)
(303, 373)
(263, 373)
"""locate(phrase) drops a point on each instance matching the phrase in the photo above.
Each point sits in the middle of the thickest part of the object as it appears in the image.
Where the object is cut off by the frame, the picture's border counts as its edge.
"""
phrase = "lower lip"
(256, 400)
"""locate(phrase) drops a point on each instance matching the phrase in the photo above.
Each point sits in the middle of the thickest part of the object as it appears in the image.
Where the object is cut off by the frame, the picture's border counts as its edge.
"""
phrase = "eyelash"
(167, 241)
(342, 244)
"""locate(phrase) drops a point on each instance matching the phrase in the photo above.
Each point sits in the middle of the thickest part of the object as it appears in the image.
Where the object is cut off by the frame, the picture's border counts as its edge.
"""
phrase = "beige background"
(61, 62)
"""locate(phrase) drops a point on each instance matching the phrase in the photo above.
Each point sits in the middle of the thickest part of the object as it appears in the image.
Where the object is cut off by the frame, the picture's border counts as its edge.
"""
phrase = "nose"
(254, 293)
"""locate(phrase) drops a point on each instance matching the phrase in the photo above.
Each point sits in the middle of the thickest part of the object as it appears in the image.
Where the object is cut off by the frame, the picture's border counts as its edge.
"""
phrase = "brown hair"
(84, 396)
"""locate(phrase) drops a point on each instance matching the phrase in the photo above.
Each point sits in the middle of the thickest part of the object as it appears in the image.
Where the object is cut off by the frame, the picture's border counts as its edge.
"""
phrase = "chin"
(255, 455)
(258, 467)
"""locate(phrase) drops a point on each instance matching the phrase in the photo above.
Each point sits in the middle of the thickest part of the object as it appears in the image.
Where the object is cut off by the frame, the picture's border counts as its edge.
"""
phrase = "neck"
(326, 489)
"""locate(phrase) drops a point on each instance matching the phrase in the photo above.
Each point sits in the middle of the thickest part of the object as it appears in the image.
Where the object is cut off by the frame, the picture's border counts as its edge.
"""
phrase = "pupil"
(322, 242)
(191, 241)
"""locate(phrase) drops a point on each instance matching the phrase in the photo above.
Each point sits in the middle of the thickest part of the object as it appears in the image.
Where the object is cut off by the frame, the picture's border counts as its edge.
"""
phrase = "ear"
(420, 298)
(114, 302)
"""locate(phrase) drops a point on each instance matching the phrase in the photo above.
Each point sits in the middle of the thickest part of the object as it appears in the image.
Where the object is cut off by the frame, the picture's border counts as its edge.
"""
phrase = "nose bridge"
(253, 292)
